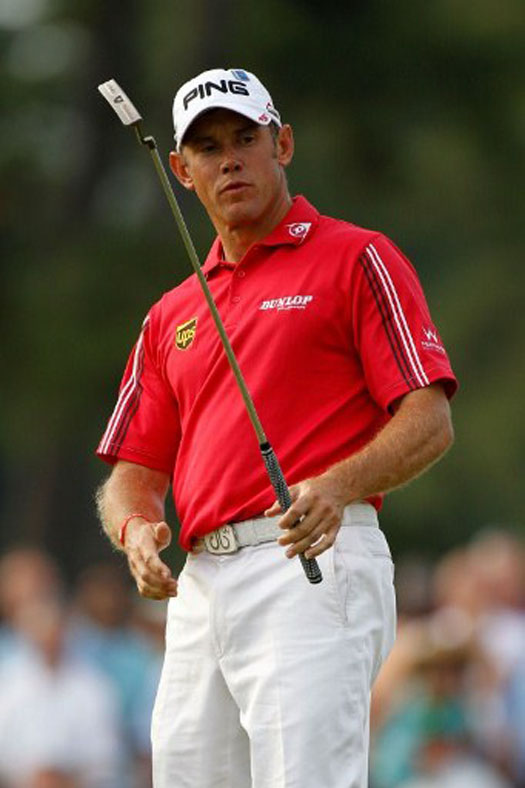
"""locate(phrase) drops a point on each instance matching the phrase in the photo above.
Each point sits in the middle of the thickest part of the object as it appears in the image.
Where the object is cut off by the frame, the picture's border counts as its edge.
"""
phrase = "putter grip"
(310, 565)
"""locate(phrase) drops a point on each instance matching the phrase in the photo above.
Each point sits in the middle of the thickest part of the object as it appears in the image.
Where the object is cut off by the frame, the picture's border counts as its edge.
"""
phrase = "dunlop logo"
(288, 302)
(185, 334)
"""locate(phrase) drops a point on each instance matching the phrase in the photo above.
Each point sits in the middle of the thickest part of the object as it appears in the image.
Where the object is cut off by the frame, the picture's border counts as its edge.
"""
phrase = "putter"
(129, 116)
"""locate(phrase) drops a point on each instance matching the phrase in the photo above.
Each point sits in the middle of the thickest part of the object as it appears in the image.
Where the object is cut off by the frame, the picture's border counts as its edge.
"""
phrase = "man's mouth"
(234, 186)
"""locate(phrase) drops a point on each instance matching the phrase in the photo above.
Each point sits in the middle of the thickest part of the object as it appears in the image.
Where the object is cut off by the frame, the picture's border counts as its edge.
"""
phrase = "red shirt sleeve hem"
(437, 375)
(136, 456)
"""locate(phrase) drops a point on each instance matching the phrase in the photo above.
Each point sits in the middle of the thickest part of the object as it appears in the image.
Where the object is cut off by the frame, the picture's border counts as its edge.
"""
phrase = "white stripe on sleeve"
(399, 316)
(124, 396)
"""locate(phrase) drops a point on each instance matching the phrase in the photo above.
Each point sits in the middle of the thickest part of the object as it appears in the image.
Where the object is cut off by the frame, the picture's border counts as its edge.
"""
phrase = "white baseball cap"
(232, 88)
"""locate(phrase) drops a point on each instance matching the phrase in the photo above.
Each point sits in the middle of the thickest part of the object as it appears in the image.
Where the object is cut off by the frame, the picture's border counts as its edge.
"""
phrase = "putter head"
(116, 97)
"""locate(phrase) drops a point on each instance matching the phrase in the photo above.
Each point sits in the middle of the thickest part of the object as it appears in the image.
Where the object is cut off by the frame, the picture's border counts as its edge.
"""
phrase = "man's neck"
(236, 240)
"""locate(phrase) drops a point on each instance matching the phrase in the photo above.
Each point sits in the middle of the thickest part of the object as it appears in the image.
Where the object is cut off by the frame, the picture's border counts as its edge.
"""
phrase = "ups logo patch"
(185, 334)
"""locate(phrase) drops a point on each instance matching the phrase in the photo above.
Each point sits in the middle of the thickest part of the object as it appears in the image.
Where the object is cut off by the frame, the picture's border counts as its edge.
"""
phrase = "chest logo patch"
(299, 229)
(185, 334)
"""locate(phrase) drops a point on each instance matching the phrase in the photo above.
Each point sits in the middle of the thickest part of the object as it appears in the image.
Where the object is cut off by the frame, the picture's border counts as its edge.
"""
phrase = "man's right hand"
(144, 541)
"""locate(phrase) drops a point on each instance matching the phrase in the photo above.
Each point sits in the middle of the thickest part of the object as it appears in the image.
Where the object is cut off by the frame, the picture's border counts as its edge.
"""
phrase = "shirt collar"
(295, 229)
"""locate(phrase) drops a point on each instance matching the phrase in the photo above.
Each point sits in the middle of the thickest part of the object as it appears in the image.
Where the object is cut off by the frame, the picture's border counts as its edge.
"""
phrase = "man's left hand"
(314, 518)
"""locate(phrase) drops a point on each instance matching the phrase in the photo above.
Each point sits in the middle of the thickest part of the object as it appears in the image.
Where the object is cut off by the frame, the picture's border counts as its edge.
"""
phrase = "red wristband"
(123, 527)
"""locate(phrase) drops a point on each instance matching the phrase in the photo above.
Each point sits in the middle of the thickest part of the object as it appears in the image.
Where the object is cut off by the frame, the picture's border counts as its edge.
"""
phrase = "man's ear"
(180, 170)
(285, 145)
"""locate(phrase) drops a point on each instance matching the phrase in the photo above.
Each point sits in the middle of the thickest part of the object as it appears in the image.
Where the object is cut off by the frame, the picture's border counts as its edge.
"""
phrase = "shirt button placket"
(235, 298)
(239, 274)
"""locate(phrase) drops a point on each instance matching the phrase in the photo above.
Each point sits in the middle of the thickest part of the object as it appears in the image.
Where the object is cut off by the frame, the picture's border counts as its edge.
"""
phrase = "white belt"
(232, 537)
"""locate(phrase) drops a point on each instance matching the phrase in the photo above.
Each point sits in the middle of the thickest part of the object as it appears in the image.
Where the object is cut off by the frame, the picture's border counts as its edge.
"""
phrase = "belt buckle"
(221, 541)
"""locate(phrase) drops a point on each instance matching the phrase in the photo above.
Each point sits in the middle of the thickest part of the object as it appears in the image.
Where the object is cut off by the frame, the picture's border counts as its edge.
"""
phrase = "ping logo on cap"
(185, 334)
(205, 89)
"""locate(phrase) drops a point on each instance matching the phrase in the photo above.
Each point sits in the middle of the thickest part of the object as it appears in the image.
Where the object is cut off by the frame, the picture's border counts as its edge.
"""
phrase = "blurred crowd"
(448, 708)
(79, 667)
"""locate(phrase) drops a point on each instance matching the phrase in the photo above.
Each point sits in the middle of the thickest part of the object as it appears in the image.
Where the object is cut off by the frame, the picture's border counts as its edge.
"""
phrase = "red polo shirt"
(329, 325)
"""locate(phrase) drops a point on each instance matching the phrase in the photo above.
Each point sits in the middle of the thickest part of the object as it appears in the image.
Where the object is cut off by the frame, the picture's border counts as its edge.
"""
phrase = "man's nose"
(230, 164)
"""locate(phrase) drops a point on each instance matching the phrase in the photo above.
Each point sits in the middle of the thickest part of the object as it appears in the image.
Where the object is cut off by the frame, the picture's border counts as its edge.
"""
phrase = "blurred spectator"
(456, 586)
(51, 778)
(498, 559)
(485, 583)
(449, 703)
(414, 601)
(414, 587)
(101, 632)
(26, 574)
(148, 619)
(426, 740)
(58, 718)
(515, 720)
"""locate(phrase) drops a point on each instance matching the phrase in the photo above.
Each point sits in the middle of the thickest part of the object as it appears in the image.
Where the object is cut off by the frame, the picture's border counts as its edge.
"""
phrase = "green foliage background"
(409, 118)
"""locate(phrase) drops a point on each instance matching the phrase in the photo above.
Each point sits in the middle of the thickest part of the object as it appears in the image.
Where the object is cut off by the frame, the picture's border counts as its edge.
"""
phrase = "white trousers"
(266, 679)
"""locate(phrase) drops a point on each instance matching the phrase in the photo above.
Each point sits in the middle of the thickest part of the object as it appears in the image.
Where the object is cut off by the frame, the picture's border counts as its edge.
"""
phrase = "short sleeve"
(144, 426)
(398, 344)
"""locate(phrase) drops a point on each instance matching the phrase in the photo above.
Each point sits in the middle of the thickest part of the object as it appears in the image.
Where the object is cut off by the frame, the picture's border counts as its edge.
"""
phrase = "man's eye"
(247, 138)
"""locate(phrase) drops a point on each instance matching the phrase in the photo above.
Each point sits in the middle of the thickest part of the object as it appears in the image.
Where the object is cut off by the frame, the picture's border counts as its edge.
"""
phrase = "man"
(266, 679)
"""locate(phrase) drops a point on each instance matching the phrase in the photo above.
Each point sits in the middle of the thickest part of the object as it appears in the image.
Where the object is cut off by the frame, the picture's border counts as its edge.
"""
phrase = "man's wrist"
(336, 481)
(124, 526)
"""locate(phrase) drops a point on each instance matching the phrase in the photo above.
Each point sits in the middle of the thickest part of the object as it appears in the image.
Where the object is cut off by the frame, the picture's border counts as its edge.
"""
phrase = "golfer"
(266, 679)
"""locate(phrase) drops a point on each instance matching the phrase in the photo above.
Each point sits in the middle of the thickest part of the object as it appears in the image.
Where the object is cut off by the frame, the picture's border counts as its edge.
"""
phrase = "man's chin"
(240, 212)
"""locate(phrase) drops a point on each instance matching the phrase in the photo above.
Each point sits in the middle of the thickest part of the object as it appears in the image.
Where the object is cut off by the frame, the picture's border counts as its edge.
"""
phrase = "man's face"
(235, 166)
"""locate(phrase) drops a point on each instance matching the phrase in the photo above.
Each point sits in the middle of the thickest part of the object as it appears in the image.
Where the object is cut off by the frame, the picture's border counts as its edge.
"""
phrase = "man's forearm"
(416, 437)
(134, 489)
(130, 489)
